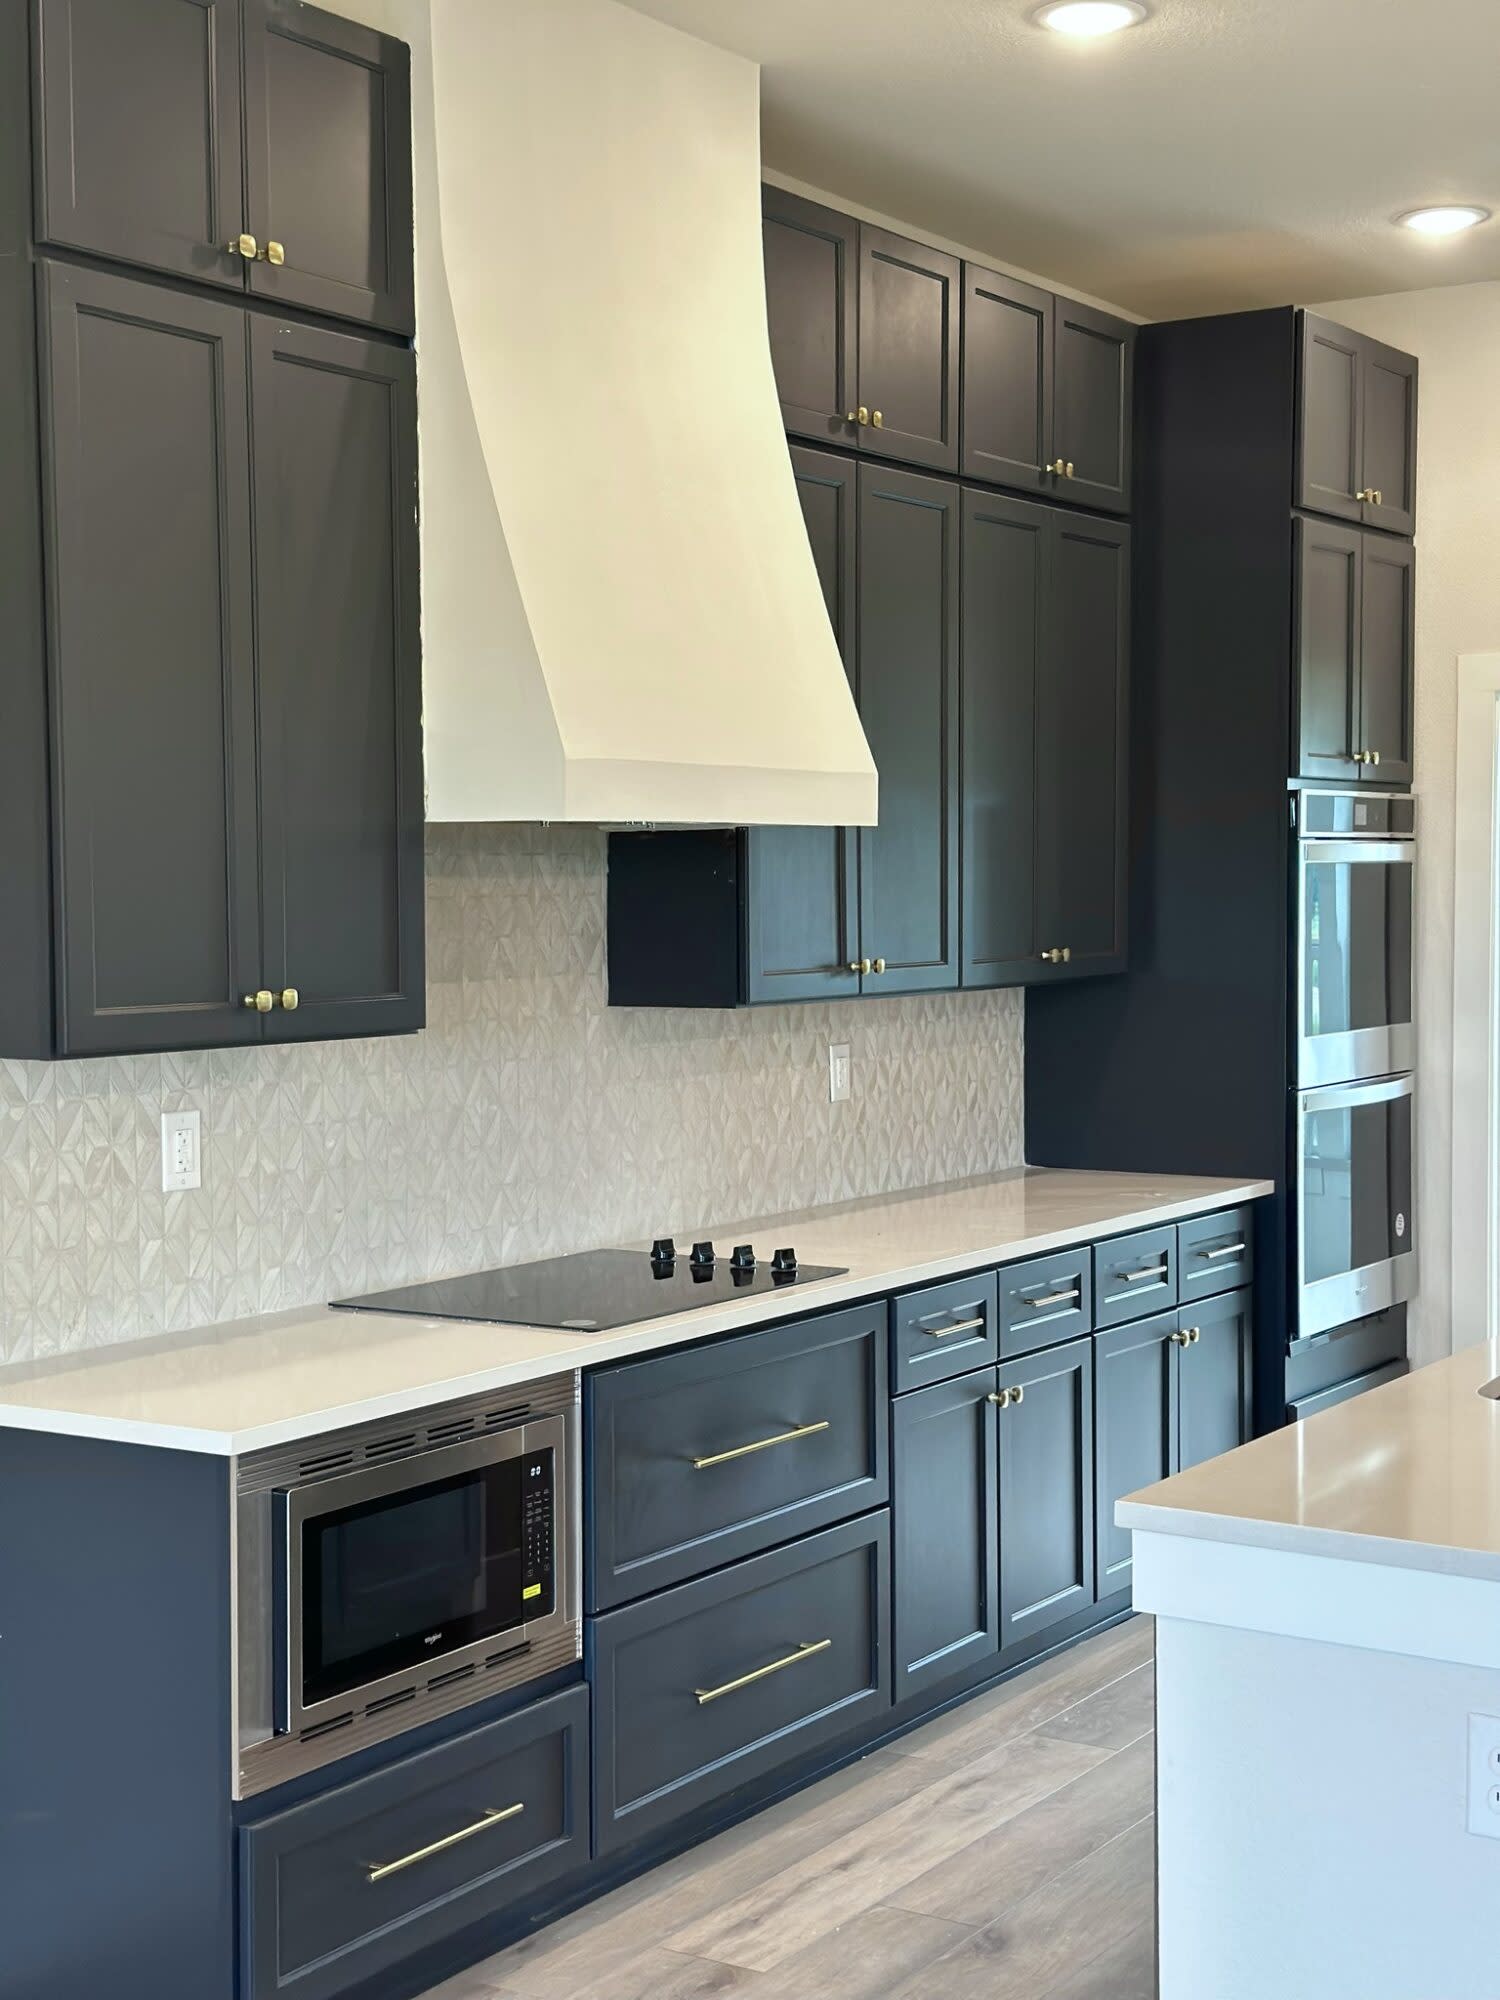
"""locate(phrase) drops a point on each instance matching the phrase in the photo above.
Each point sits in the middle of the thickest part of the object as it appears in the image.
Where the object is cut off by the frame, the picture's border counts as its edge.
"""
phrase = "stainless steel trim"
(1353, 1052)
(1157, 1271)
(1330, 1302)
(1224, 1250)
(1054, 1299)
(953, 1326)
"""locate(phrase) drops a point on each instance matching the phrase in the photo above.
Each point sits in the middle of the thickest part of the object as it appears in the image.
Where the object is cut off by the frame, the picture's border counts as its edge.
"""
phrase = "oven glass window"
(1357, 952)
(423, 1571)
(1356, 1187)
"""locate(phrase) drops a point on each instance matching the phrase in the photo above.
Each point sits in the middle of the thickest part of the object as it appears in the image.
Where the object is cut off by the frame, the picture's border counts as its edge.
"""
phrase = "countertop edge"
(1294, 1539)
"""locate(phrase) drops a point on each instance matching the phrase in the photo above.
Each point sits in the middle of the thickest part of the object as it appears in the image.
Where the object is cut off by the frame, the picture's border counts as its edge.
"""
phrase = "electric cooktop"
(599, 1289)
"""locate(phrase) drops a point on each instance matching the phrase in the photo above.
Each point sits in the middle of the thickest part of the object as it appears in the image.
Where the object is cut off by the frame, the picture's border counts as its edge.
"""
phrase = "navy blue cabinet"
(1046, 1425)
(945, 1504)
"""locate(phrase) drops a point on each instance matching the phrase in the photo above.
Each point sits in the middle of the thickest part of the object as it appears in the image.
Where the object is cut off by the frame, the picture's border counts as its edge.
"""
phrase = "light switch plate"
(181, 1151)
(839, 1068)
(1484, 1775)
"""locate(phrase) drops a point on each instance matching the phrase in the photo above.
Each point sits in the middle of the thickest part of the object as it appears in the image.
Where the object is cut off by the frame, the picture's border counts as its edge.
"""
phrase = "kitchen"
(773, 1087)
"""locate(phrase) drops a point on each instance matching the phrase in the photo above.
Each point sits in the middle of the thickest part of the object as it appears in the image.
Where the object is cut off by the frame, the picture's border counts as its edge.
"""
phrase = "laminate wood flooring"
(1005, 1851)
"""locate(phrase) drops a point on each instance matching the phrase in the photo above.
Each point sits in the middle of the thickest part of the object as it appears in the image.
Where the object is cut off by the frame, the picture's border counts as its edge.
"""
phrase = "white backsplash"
(527, 1119)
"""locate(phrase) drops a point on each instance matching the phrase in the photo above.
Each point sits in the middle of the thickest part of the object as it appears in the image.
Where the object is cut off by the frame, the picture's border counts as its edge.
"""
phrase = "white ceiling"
(1226, 153)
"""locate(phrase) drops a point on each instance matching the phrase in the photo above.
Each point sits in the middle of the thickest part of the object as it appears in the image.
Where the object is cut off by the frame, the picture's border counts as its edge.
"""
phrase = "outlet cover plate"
(181, 1151)
(1484, 1776)
(839, 1072)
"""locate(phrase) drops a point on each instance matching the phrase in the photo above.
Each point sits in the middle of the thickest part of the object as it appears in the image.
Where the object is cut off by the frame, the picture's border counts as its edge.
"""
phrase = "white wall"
(1455, 332)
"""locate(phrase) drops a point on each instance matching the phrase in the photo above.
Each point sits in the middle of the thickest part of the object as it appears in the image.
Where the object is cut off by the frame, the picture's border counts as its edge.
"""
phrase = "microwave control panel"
(536, 1535)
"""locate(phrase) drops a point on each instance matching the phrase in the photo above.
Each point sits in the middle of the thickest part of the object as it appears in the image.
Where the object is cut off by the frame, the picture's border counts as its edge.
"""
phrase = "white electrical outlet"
(838, 1072)
(1484, 1775)
(181, 1151)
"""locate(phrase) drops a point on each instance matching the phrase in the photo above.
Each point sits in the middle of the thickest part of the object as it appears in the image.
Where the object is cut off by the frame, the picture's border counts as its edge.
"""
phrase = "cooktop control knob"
(703, 1256)
(743, 1258)
(664, 1251)
(785, 1262)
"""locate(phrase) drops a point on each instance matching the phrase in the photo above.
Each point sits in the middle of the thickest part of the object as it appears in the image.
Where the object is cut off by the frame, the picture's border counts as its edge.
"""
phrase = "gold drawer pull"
(1056, 1299)
(804, 1652)
(955, 1326)
(760, 1444)
(1225, 1250)
(1157, 1271)
(379, 1873)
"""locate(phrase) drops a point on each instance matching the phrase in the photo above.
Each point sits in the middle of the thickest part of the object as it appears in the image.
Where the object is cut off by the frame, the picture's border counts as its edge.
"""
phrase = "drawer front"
(355, 1882)
(1046, 1300)
(1135, 1275)
(1215, 1253)
(944, 1331)
(708, 1686)
(702, 1457)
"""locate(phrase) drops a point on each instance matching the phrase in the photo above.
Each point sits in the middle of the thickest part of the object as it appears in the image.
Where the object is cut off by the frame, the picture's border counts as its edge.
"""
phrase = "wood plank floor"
(1003, 1851)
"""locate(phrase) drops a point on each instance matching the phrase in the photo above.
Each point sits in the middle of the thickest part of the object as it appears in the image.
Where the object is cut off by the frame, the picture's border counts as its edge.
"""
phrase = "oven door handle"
(1343, 1096)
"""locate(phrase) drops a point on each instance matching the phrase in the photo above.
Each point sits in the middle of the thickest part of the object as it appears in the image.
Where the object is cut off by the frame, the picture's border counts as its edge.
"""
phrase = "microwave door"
(1354, 960)
(1356, 1234)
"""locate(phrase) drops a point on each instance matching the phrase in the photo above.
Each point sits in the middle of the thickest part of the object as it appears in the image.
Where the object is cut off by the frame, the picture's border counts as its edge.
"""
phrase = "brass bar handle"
(760, 1444)
(955, 1326)
(1056, 1299)
(243, 245)
(262, 1002)
(379, 1872)
(1135, 1277)
(804, 1652)
(1225, 1250)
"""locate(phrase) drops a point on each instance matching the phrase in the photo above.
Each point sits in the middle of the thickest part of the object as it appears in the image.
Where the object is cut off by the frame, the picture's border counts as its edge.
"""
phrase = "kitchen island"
(1328, 1690)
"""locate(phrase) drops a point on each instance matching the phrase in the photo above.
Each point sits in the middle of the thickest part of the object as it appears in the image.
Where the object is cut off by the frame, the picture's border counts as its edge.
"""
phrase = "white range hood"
(621, 616)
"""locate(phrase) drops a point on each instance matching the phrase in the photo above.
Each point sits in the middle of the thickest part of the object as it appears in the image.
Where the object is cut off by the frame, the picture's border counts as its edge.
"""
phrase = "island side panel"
(115, 1720)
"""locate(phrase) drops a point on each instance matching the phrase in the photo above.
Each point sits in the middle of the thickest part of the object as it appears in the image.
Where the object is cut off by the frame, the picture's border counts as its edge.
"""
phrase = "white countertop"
(253, 1383)
(1407, 1476)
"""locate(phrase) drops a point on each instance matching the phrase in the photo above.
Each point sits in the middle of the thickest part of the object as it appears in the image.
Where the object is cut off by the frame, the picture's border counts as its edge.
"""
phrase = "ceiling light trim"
(1444, 218)
(1090, 20)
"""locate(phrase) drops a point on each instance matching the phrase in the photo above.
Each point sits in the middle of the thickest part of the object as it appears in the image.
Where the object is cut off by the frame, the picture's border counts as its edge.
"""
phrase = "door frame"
(1475, 1314)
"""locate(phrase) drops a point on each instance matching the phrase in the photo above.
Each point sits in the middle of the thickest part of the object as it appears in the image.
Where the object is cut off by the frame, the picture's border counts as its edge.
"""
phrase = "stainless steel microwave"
(1356, 856)
(1356, 1228)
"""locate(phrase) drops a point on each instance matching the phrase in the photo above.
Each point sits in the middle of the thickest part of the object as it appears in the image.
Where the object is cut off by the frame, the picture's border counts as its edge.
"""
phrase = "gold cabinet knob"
(1178, 1339)
(1058, 955)
(290, 999)
(1056, 466)
(862, 414)
(274, 253)
(1068, 470)
(1194, 1334)
(262, 1002)
(877, 419)
(860, 965)
(1000, 1397)
(878, 966)
(1017, 1395)
(244, 246)
(1377, 496)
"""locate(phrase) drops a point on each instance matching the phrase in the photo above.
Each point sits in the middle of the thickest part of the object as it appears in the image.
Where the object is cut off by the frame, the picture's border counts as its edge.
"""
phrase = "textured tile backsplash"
(527, 1119)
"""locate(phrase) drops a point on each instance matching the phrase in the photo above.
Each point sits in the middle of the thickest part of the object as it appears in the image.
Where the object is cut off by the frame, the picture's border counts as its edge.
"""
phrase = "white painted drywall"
(1455, 332)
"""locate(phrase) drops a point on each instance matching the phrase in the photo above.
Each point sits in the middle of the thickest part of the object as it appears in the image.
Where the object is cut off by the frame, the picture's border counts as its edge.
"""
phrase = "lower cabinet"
(358, 1880)
(946, 1587)
(699, 1689)
(1213, 1374)
(1046, 1424)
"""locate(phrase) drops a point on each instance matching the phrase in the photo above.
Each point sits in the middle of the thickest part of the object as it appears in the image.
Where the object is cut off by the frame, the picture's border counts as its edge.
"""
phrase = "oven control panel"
(536, 1535)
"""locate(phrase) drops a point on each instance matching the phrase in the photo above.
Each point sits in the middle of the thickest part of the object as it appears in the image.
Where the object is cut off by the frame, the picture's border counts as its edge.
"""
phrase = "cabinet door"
(1092, 389)
(328, 163)
(1135, 1430)
(152, 667)
(945, 1503)
(1389, 390)
(1213, 1373)
(908, 349)
(812, 308)
(1328, 640)
(1329, 419)
(138, 132)
(802, 916)
(908, 702)
(1046, 1490)
(1387, 638)
(1081, 749)
(1005, 566)
(337, 636)
(1007, 380)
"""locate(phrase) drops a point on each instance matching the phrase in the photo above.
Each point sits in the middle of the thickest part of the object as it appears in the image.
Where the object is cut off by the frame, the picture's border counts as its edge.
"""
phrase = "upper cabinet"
(279, 154)
(1357, 427)
(1355, 628)
(1093, 379)
(812, 302)
(908, 350)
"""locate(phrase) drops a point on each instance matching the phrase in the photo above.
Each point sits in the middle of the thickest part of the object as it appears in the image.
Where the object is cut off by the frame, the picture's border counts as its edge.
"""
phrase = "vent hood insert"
(622, 621)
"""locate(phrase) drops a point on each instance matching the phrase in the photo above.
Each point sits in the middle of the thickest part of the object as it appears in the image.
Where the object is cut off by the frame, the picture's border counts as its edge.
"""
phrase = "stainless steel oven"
(1356, 1230)
(1355, 867)
(393, 1572)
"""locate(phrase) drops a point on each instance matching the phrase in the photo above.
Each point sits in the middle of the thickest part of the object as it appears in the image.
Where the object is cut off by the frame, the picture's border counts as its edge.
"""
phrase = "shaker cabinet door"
(1046, 1489)
(945, 1506)
(1328, 640)
(150, 636)
(812, 307)
(1389, 438)
(1007, 380)
(908, 349)
(138, 133)
(328, 164)
(1092, 390)
(1330, 413)
(1213, 1371)
(1135, 1430)
(1387, 635)
(337, 627)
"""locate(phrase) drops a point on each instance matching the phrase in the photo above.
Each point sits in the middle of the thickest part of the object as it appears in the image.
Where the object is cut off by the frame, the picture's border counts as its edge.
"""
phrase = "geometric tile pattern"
(528, 1118)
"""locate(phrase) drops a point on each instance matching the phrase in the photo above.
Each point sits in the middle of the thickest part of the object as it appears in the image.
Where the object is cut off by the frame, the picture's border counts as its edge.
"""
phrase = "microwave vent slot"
(391, 1701)
(390, 1447)
(328, 1461)
(509, 1653)
(317, 1729)
(450, 1431)
(449, 1680)
(517, 1413)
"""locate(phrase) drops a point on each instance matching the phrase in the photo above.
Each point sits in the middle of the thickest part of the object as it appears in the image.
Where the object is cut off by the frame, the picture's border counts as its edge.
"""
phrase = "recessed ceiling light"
(1086, 20)
(1450, 220)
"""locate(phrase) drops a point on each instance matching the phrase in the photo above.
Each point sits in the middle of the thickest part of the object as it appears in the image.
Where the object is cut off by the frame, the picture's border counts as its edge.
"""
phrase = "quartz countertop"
(1407, 1476)
(253, 1383)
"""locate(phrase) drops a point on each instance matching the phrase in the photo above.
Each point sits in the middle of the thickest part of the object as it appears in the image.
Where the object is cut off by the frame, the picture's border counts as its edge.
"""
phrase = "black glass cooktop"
(594, 1290)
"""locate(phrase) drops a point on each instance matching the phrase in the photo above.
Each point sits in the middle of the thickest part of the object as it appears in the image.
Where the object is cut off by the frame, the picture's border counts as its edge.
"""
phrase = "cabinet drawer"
(357, 1881)
(1135, 1275)
(1215, 1253)
(943, 1331)
(702, 1688)
(701, 1457)
(1046, 1300)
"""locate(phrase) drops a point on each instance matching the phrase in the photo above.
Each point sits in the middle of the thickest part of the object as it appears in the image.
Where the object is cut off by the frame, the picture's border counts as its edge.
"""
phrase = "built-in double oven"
(1355, 1047)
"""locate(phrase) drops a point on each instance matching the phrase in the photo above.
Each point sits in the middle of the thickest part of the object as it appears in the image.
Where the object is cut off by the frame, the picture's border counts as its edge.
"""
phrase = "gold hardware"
(1365, 493)
(1377, 496)
(244, 246)
(289, 998)
(1225, 1250)
(1018, 1394)
(877, 419)
(957, 1326)
(1374, 756)
(380, 1872)
(274, 253)
(804, 1652)
(863, 413)
(851, 416)
(1059, 955)
(1056, 466)
(860, 965)
(1068, 469)
(262, 1002)
(1001, 1397)
(1158, 1271)
(878, 966)
(760, 1444)
(1055, 1299)
(1178, 1339)
(1194, 1335)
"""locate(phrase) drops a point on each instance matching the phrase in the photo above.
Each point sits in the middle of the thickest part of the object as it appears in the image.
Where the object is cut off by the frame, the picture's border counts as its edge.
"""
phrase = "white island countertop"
(253, 1383)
